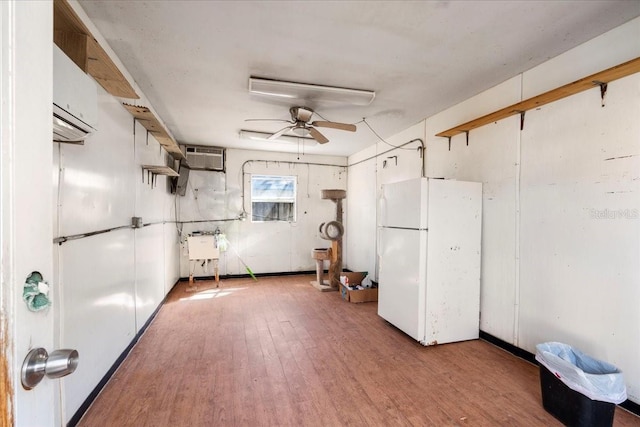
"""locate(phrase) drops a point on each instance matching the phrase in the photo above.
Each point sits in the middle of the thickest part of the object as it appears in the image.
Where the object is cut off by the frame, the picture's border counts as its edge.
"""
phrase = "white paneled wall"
(490, 158)
(267, 247)
(98, 308)
(111, 283)
(360, 241)
(580, 226)
(561, 212)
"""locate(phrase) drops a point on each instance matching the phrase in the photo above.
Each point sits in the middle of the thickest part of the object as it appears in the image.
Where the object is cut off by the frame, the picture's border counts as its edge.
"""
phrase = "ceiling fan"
(301, 125)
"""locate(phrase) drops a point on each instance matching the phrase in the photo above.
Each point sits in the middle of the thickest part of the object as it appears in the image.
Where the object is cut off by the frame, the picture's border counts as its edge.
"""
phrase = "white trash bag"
(593, 378)
(366, 282)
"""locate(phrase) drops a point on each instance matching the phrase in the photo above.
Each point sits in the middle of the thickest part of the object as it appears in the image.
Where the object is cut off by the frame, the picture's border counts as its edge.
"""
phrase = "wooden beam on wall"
(77, 42)
(102, 68)
(74, 45)
(594, 80)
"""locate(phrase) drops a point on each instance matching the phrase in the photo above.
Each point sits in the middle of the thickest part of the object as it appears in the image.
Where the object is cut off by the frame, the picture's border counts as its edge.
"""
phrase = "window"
(273, 198)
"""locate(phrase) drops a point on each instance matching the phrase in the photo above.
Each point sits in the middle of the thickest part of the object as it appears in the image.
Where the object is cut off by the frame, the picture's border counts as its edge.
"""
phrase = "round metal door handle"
(61, 362)
(33, 368)
(39, 364)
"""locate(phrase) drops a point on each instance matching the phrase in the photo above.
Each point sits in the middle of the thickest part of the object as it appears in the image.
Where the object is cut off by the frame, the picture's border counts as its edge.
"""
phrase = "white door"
(26, 30)
(401, 279)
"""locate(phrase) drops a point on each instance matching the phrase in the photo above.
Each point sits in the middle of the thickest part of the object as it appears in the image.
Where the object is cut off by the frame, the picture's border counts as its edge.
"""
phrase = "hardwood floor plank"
(279, 353)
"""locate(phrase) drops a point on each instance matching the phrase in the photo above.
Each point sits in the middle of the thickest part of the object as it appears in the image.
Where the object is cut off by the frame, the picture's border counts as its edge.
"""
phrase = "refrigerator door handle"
(379, 248)
(382, 208)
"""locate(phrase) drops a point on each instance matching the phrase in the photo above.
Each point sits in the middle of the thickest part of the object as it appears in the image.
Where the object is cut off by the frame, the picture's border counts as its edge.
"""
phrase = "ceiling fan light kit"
(300, 131)
(310, 92)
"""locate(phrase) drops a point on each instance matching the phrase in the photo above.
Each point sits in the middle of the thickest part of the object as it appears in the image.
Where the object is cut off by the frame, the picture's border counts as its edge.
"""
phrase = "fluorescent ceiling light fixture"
(263, 136)
(310, 92)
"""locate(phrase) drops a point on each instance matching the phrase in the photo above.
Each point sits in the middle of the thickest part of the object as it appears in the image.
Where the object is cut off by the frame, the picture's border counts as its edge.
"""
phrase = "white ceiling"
(193, 59)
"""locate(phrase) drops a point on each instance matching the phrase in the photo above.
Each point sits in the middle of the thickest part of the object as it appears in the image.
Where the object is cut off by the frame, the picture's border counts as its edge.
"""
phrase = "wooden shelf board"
(160, 170)
(75, 39)
(170, 145)
(149, 121)
(594, 80)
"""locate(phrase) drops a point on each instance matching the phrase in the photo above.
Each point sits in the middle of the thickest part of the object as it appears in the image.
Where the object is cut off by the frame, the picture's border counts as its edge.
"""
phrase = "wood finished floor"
(278, 352)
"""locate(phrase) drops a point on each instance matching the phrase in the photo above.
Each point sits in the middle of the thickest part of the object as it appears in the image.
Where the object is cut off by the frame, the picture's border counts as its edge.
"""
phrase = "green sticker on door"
(36, 292)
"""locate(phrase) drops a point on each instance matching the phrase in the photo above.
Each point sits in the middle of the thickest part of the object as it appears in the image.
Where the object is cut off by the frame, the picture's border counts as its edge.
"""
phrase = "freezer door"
(401, 279)
(404, 204)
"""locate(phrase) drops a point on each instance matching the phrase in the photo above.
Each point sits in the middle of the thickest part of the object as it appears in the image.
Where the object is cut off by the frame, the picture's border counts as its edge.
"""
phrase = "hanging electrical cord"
(400, 147)
(421, 150)
(175, 211)
(364, 120)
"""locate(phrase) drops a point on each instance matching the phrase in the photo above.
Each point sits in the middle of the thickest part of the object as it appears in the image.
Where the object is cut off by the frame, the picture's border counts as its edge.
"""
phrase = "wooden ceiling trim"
(75, 39)
(589, 82)
(65, 18)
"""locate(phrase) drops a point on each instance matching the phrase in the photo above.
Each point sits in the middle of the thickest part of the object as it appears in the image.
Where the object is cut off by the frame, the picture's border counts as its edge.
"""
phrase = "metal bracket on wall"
(522, 119)
(151, 177)
(467, 133)
(603, 91)
(153, 171)
(449, 138)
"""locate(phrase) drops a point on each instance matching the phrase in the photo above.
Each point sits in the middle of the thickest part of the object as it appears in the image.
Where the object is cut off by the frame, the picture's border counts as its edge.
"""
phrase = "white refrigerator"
(429, 258)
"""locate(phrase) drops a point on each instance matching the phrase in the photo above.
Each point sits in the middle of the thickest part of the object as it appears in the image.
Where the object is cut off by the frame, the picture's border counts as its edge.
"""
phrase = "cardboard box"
(358, 295)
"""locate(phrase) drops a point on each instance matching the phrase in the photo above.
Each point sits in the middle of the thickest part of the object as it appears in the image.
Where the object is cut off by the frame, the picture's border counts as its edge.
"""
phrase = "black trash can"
(577, 389)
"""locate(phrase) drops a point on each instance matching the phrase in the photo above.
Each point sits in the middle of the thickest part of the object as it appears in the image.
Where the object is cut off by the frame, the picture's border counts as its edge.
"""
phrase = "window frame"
(293, 200)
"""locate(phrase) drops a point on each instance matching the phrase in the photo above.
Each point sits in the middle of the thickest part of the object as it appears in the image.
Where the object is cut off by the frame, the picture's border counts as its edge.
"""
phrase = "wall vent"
(205, 158)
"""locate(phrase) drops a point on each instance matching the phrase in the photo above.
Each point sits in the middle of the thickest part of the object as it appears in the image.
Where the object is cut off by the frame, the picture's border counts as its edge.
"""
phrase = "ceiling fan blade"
(279, 133)
(335, 125)
(318, 136)
(268, 120)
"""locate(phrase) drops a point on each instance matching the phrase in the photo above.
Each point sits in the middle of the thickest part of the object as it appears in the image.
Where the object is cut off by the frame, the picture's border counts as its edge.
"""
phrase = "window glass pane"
(273, 198)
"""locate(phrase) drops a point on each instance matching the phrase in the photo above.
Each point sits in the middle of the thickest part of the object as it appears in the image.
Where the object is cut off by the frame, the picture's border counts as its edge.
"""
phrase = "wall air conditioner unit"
(205, 158)
(75, 101)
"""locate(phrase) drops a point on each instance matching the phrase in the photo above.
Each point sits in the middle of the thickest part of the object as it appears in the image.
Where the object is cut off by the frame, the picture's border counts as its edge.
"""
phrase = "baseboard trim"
(75, 419)
(516, 351)
(245, 276)
(628, 405)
